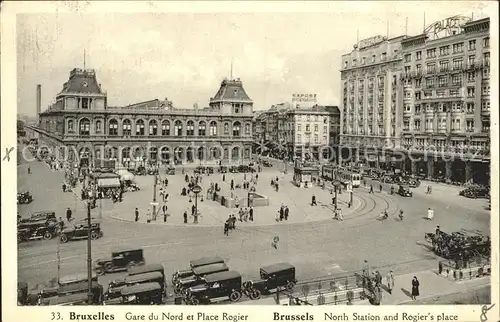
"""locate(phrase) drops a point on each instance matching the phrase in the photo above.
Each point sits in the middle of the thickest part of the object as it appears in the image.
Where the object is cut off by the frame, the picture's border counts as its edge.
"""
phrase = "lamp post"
(154, 196)
(196, 190)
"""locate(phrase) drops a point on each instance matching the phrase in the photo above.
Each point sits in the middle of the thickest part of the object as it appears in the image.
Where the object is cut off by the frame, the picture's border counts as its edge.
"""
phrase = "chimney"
(38, 101)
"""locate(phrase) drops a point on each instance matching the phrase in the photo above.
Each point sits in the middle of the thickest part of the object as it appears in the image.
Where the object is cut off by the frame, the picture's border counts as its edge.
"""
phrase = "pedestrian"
(223, 177)
(185, 216)
(415, 284)
(287, 211)
(250, 212)
(378, 278)
(148, 216)
(277, 216)
(237, 202)
(380, 187)
(68, 214)
(340, 216)
(186, 177)
(277, 187)
(29, 170)
(390, 281)
(193, 209)
(164, 208)
(366, 269)
(438, 231)
(429, 189)
(364, 182)
(232, 184)
(165, 216)
(136, 214)
(430, 214)
(233, 221)
(371, 188)
(226, 227)
(61, 224)
(64, 187)
(282, 213)
(313, 200)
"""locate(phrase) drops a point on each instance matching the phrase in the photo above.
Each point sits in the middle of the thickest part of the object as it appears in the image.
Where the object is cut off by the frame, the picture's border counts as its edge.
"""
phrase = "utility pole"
(89, 252)
(154, 196)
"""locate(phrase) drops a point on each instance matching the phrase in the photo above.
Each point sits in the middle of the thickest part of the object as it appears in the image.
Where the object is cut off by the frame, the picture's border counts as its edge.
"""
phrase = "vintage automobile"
(115, 287)
(272, 277)
(22, 293)
(82, 287)
(24, 197)
(205, 261)
(404, 191)
(36, 230)
(209, 170)
(76, 278)
(267, 164)
(81, 231)
(224, 284)
(233, 169)
(120, 261)
(170, 171)
(136, 270)
(71, 299)
(141, 294)
(199, 170)
(41, 216)
(245, 168)
(198, 273)
(223, 169)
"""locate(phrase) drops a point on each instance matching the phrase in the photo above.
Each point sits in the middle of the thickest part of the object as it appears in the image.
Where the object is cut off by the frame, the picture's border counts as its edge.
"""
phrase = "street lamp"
(196, 190)
(89, 252)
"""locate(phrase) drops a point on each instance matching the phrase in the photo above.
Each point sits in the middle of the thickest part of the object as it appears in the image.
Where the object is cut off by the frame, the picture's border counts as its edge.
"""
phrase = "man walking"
(64, 187)
(313, 201)
(68, 214)
(282, 213)
(250, 213)
(185, 217)
(286, 212)
(390, 281)
(380, 188)
(371, 188)
(232, 184)
(136, 214)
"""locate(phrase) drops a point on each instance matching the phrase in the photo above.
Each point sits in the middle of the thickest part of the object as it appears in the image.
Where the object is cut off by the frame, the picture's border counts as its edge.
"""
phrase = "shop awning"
(108, 183)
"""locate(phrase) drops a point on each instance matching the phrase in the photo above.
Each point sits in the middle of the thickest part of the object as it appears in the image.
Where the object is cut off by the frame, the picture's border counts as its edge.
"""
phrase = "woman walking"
(415, 284)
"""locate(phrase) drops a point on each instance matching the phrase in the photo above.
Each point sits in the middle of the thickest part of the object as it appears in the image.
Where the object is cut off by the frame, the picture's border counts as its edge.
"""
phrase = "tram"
(348, 177)
(328, 172)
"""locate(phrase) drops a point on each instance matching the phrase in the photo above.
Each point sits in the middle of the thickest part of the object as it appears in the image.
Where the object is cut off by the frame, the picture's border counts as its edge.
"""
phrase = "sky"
(184, 56)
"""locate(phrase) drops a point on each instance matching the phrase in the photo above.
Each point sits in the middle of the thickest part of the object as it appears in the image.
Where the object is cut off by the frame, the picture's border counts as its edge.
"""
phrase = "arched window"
(98, 126)
(178, 128)
(213, 128)
(125, 154)
(165, 128)
(113, 127)
(153, 127)
(202, 128)
(236, 128)
(70, 126)
(139, 127)
(226, 128)
(127, 127)
(84, 126)
(190, 128)
(247, 129)
(165, 153)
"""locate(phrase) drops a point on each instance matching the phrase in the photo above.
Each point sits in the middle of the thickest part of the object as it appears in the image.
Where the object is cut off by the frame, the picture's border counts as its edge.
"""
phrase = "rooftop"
(82, 81)
(231, 90)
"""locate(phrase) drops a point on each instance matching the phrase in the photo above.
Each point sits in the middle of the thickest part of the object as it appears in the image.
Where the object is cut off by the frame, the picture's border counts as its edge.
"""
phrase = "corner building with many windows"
(150, 131)
(371, 100)
(446, 99)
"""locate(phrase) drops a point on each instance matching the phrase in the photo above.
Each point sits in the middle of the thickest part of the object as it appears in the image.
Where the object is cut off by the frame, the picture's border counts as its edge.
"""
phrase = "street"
(317, 248)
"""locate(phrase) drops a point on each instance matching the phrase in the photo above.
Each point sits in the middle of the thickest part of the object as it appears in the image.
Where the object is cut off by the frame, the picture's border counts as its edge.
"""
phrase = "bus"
(348, 177)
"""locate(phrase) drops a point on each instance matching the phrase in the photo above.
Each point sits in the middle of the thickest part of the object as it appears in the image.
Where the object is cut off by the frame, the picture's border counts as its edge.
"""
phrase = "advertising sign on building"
(372, 41)
(304, 98)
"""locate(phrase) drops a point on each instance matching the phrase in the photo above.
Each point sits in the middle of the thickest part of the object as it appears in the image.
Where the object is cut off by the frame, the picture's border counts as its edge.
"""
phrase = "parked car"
(272, 277)
(199, 170)
(245, 168)
(81, 231)
(209, 170)
(36, 230)
(233, 169)
(225, 284)
(170, 171)
(404, 191)
(267, 164)
(83, 287)
(120, 261)
(64, 300)
(140, 294)
(205, 261)
(197, 275)
(24, 197)
(136, 270)
(223, 169)
(41, 216)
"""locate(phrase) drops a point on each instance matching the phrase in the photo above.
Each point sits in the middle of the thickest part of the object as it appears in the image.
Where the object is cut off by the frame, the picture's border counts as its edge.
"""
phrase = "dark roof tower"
(82, 81)
(231, 91)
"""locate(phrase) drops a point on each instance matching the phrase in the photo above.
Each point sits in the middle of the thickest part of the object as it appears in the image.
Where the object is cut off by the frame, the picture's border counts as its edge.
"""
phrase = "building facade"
(153, 131)
(446, 97)
(371, 98)
(422, 102)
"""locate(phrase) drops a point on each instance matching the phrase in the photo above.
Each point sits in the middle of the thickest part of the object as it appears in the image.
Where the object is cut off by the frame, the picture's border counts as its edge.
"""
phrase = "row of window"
(456, 125)
(445, 50)
(308, 128)
(84, 128)
(444, 65)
